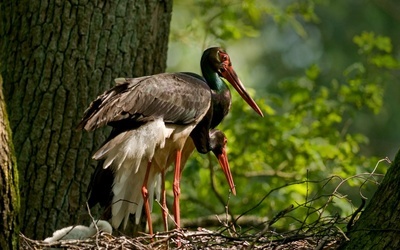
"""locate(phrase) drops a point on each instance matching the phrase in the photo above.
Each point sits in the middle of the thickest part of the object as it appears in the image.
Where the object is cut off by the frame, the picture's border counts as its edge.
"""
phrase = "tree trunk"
(9, 191)
(379, 224)
(57, 57)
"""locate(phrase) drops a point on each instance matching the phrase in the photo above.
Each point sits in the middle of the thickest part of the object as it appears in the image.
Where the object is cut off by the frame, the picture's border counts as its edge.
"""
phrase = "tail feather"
(118, 162)
(128, 154)
(108, 162)
(128, 197)
(124, 200)
(127, 194)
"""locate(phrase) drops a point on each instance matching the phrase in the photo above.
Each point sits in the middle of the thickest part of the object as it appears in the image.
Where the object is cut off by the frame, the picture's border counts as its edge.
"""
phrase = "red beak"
(223, 162)
(229, 74)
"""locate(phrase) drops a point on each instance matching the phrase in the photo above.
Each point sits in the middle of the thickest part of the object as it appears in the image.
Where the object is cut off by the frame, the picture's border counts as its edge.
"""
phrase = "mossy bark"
(57, 57)
(379, 224)
(9, 190)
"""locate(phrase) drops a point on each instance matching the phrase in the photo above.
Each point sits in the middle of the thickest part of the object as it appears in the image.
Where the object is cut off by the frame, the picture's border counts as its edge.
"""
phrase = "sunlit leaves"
(368, 41)
(365, 90)
(385, 61)
(378, 49)
(232, 20)
(313, 72)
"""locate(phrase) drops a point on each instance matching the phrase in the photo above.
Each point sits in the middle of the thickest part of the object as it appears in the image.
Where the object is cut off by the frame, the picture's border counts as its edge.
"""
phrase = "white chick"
(79, 232)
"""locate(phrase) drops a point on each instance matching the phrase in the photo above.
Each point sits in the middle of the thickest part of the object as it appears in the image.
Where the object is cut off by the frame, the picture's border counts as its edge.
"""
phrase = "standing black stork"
(154, 113)
(215, 63)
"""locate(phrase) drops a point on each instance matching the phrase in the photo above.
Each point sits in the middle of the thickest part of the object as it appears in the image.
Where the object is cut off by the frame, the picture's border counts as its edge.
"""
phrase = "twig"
(94, 223)
(371, 174)
(350, 224)
(275, 219)
(166, 210)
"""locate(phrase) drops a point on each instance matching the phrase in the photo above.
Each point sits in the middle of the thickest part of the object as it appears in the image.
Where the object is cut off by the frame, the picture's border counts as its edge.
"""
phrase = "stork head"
(219, 61)
(218, 143)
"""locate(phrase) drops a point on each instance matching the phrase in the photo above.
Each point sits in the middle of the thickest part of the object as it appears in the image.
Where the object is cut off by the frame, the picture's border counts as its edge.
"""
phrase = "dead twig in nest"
(201, 239)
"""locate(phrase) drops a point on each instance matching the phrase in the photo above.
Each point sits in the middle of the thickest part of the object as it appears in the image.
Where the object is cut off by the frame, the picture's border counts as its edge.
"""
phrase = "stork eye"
(223, 56)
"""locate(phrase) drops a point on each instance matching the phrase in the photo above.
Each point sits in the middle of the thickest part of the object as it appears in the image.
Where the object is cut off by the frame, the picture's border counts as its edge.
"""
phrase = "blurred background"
(325, 74)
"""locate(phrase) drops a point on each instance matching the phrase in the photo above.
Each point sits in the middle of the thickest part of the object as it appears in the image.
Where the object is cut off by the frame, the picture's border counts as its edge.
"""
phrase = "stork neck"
(213, 80)
(221, 106)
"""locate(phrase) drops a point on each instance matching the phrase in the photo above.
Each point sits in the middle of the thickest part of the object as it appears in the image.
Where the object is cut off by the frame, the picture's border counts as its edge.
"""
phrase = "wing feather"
(176, 97)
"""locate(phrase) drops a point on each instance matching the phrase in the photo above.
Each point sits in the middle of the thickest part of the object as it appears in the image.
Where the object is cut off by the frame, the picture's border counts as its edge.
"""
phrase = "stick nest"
(200, 239)
(325, 231)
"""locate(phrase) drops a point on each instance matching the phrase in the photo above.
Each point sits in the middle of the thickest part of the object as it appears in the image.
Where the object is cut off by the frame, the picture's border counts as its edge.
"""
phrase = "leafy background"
(325, 74)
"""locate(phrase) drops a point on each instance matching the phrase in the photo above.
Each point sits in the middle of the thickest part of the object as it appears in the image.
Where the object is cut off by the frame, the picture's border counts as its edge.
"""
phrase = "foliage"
(308, 131)
(305, 135)
(221, 21)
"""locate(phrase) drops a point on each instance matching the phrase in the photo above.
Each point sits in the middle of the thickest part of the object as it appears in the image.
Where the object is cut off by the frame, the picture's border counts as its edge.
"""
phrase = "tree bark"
(57, 57)
(9, 190)
(379, 224)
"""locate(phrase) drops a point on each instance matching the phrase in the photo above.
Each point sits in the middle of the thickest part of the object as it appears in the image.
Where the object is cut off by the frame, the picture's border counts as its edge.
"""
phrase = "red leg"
(145, 194)
(164, 202)
(177, 190)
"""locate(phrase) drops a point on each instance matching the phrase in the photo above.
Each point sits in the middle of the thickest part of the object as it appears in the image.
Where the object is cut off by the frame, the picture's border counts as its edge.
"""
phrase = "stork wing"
(176, 97)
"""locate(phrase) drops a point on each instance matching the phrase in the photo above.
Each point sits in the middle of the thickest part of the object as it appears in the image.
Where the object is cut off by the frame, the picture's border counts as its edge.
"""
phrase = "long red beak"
(230, 75)
(223, 162)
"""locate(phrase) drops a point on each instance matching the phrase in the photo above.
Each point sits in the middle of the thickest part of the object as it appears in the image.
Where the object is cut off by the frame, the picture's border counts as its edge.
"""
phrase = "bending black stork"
(152, 113)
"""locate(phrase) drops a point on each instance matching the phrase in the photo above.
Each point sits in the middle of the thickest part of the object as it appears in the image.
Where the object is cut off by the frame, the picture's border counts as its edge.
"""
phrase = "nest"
(200, 239)
(324, 232)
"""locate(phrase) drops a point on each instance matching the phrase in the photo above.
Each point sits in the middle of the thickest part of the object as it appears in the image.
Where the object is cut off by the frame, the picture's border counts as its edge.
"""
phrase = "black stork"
(102, 182)
(158, 112)
(215, 63)
(217, 144)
